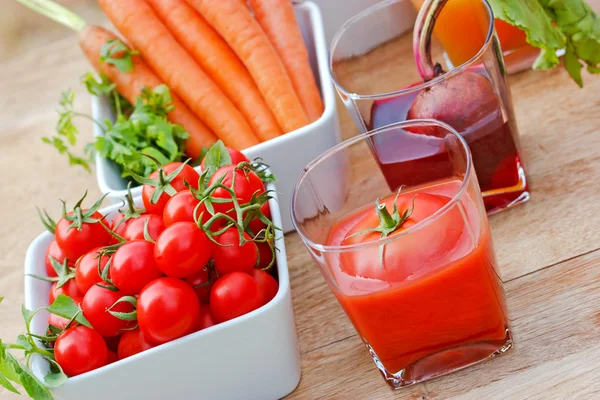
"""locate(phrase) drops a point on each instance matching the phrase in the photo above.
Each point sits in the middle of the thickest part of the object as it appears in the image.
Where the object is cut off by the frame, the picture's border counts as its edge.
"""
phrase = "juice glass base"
(505, 198)
(444, 362)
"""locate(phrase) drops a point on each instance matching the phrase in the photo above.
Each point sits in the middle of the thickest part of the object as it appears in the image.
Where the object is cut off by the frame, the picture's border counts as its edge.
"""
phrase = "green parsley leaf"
(104, 87)
(116, 53)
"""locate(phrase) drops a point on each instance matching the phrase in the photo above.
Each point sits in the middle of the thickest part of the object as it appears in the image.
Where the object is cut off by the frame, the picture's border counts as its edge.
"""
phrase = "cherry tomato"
(200, 283)
(133, 342)
(256, 225)
(69, 288)
(118, 226)
(135, 227)
(80, 349)
(180, 208)
(401, 258)
(182, 250)
(133, 266)
(230, 256)
(61, 322)
(167, 309)
(95, 305)
(265, 254)
(233, 295)
(268, 285)
(178, 183)
(76, 242)
(55, 252)
(86, 270)
(236, 157)
(206, 319)
(111, 357)
(246, 185)
(112, 343)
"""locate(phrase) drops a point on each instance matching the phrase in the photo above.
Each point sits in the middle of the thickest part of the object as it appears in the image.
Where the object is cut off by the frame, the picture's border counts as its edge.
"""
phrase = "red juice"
(492, 140)
(434, 303)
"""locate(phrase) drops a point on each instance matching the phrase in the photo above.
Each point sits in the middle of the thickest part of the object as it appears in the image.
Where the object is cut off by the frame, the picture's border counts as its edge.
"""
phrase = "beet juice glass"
(383, 78)
(413, 267)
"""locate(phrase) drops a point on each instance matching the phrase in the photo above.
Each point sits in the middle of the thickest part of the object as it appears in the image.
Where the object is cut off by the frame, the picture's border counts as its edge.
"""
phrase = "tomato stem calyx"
(163, 183)
(129, 210)
(388, 223)
(80, 216)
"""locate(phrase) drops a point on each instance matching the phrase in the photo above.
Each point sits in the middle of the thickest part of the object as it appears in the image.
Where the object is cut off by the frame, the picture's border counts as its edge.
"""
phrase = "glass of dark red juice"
(383, 77)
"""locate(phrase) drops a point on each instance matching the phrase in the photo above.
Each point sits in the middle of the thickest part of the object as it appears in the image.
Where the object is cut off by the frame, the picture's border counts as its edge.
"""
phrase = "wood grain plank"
(345, 370)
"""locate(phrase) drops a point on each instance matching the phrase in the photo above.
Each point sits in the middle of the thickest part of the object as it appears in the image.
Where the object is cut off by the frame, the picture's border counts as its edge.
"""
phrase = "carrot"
(219, 61)
(129, 85)
(278, 20)
(237, 26)
(140, 25)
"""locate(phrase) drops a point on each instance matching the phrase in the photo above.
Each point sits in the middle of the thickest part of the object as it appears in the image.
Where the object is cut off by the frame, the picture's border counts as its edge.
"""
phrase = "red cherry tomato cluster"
(199, 254)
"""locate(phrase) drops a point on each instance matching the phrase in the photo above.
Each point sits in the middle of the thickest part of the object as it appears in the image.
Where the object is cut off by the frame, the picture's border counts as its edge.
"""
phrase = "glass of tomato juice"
(412, 266)
(381, 77)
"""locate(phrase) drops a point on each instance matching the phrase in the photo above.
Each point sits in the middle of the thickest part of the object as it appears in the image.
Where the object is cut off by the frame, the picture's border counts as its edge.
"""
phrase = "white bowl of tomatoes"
(288, 154)
(172, 308)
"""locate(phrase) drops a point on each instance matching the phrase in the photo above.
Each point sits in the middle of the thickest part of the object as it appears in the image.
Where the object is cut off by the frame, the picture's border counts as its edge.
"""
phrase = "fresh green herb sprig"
(139, 129)
(116, 53)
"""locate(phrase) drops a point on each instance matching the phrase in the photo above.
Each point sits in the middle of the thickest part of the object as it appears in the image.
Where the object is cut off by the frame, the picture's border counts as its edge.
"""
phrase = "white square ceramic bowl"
(288, 154)
(254, 356)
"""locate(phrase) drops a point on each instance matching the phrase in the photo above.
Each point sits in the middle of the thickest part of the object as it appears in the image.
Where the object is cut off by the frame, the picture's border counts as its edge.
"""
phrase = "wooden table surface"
(548, 249)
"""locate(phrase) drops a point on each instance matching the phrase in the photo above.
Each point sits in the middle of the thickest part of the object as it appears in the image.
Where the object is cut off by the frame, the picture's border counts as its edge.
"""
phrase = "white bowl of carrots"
(251, 94)
(253, 356)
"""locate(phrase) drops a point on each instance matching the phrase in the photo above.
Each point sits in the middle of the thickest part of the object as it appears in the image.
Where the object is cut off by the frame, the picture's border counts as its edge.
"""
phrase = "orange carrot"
(278, 20)
(219, 61)
(140, 25)
(130, 85)
(237, 26)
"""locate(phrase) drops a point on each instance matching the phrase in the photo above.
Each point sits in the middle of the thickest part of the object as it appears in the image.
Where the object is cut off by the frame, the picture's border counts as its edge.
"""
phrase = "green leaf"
(203, 154)
(572, 65)
(76, 160)
(530, 16)
(116, 53)
(104, 87)
(56, 377)
(34, 388)
(553, 25)
(6, 384)
(216, 157)
(153, 152)
(6, 368)
(65, 307)
(57, 143)
(27, 316)
(23, 341)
